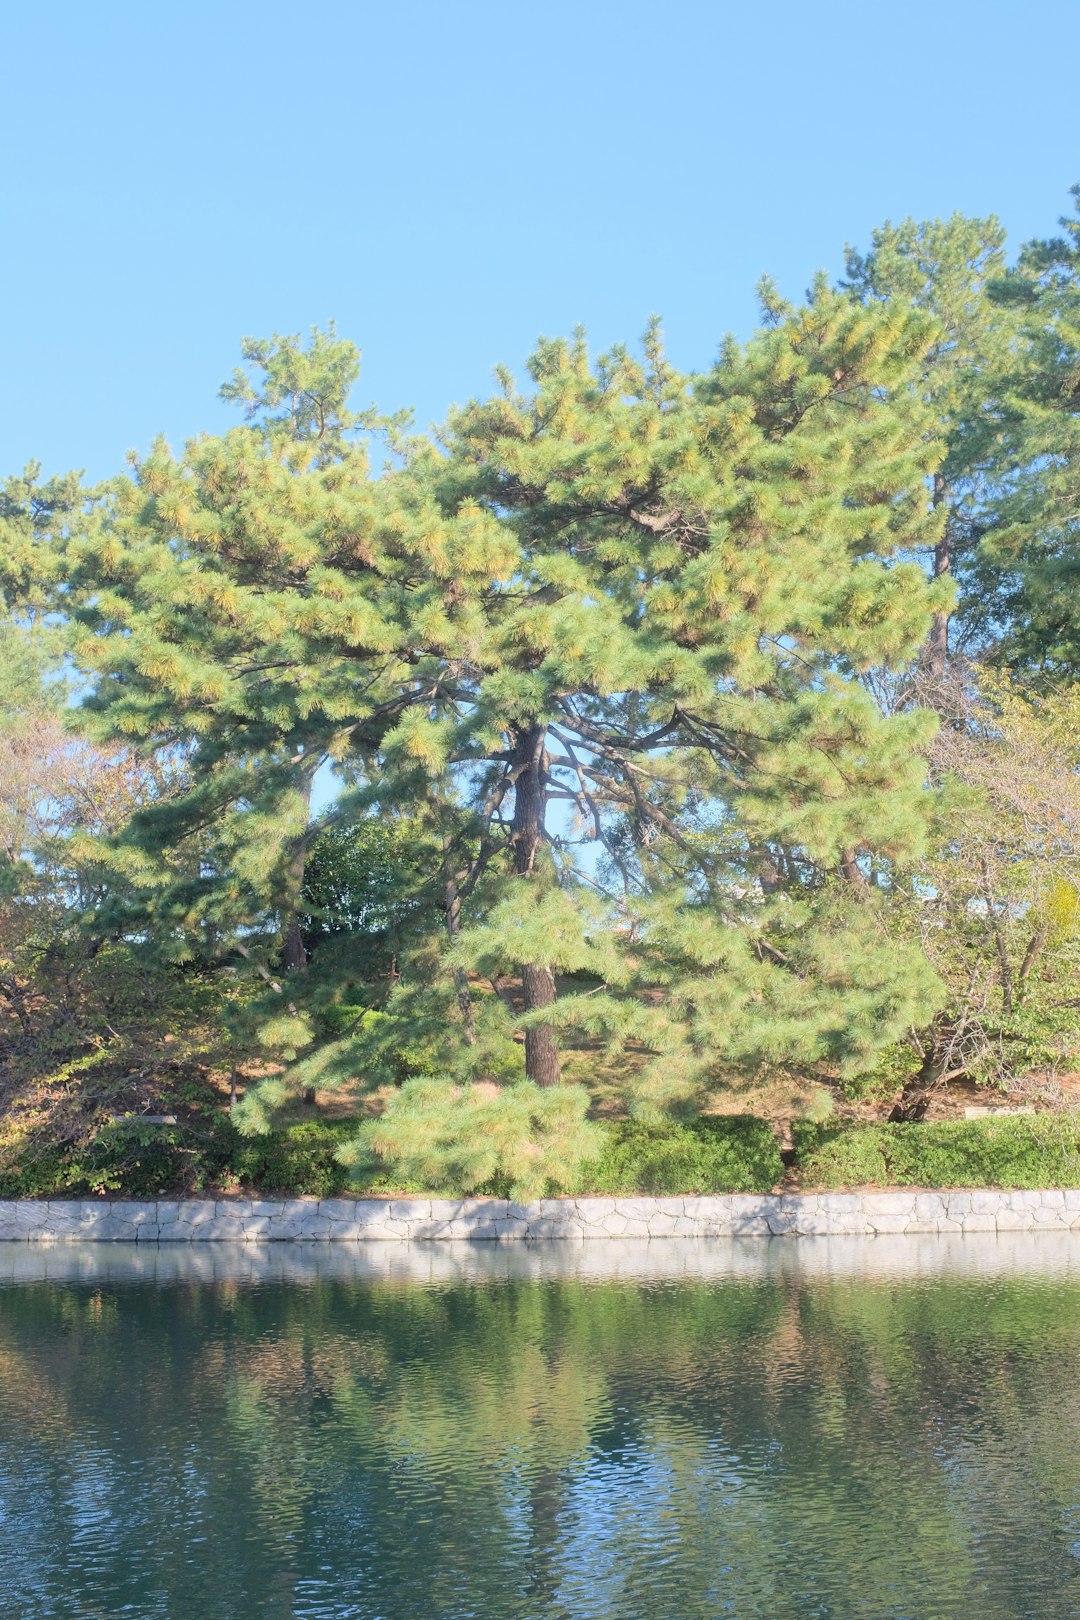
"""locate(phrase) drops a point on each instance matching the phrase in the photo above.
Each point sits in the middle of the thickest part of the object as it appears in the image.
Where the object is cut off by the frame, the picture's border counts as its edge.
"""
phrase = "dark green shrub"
(1038, 1150)
(730, 1153)
(133, 1160)
(298, 1159)
(832, 1155)
(123, 1158)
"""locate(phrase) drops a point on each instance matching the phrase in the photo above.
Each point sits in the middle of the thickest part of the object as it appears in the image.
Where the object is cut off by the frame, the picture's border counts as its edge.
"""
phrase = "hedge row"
(142, 1161)
(710, 1155)
(145, 1161)
(1038, 1150)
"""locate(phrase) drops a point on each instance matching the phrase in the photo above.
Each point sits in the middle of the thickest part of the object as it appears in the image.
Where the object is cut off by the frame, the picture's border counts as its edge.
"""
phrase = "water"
(887, 1429)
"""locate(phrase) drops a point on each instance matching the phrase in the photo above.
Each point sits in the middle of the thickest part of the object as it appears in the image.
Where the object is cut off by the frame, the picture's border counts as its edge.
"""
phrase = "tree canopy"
(601, 718)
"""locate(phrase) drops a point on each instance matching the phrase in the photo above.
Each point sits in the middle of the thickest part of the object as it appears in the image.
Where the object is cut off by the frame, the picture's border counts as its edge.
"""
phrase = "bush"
(735, 1153)
(1040, 1150)
(142, 1161)
(124, 1158)
(298, 1159)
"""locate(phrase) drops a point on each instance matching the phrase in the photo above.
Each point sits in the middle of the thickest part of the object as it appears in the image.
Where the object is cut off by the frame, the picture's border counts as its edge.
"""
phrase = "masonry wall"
(364, 1220)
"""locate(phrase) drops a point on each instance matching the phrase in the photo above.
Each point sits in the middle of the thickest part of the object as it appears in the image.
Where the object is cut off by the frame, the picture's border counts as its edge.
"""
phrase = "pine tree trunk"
(537, 978)
(937, 643)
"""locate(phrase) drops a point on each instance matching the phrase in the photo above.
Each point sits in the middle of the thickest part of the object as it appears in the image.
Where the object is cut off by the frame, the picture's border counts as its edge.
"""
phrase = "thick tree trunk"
(294, 956)
(937, 643)
(527, 835)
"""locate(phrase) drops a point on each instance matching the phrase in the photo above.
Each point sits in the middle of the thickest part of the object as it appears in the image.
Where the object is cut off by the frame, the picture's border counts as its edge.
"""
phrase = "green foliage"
(992, 901)
(885, 1076)
(1041, 1150)
(360, 879)
(1024, 585)
(522, 1138)
(621, 682)
(131, 1159)
(646, 594)
(719, 1154)
(299, 1159)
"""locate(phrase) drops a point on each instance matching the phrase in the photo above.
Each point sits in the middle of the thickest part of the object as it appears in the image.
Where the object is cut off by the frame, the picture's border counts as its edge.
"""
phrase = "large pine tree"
(598, 644)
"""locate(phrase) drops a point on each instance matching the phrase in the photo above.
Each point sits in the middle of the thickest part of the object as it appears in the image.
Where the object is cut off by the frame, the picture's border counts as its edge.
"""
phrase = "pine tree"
(620, 612)
(950, 268)
(1029, 561)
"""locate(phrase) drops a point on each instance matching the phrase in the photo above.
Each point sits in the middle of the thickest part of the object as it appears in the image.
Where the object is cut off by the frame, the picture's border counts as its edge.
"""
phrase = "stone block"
(747, 1215)
(975, 1222)
(835, 1203)
(882, 1225)
(306, 1226)
(193, 1212)
(986, 1202)
(551, 1225)
(447, 1209)
(174, 1232)
(1008, 1219)
(223, 1229)
(1051, 1216)
(143, 1215)
(833, 1223)
(30, 1217)
(889, 1203)
(701, 1204)
(384, 1231)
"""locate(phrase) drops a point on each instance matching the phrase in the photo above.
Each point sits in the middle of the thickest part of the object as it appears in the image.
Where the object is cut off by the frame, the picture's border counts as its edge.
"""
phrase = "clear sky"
(450, 178)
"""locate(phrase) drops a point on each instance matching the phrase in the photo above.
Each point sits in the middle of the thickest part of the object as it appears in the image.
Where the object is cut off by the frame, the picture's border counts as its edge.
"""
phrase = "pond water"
(879, 1428)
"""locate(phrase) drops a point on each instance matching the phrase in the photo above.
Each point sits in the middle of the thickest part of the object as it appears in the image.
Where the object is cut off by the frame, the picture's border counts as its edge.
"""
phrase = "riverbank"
(401, 1220)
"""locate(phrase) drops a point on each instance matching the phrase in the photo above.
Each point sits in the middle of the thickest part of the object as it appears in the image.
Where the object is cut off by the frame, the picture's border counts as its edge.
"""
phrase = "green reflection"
(542, 1449)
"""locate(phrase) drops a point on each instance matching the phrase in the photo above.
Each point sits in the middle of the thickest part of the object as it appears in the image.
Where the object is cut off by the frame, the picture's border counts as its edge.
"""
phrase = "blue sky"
(450, 178)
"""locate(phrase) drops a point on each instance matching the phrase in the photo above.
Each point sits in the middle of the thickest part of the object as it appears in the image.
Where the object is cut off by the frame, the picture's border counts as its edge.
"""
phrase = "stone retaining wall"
(259, 1220)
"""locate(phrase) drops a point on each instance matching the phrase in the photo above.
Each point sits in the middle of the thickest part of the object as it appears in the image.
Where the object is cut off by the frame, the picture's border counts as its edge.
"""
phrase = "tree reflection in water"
(763, 1442)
